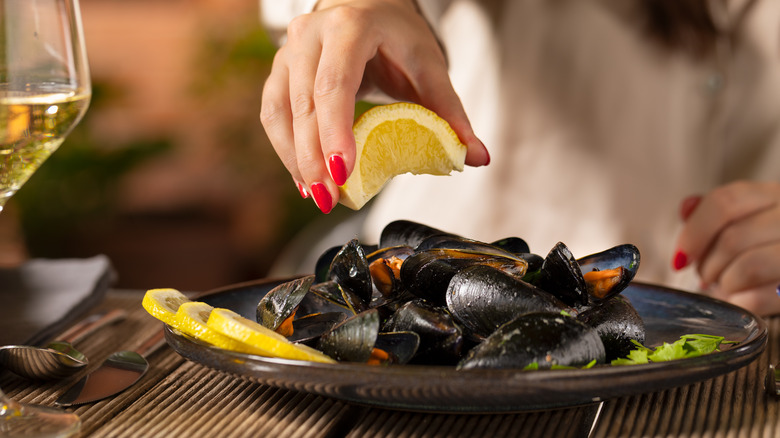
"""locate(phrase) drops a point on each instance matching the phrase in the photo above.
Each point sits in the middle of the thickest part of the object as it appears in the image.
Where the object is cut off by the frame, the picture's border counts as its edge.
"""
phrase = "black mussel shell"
(405, 232)
(617, 323)
(281, 302)
(441, 340)
(561, 276)
(333, 293)
(608, 272)
(352, 340)
(483, 298)
(545, 339)
(349, 269)
(399, 346)
(535, 261)
(327, 296)
(309, 328)
(515, 245)
(427, 274)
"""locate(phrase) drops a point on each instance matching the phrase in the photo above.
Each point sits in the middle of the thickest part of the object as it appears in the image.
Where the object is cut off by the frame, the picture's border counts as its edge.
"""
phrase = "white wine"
(31, 128)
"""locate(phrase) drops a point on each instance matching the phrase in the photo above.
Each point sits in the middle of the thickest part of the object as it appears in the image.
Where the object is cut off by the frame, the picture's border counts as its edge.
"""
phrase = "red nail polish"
(302, 190)
(680, 260)
(322, 197)
(338, 170)
(487, 157)
(688, 205)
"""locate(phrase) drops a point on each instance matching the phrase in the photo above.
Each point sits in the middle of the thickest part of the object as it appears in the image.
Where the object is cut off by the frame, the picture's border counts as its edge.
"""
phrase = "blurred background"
(170, 173)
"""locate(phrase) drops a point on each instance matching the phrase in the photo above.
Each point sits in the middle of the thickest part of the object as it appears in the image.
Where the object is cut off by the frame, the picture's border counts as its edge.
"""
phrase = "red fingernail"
(688, 205)
(322, 197)
(487, 157)
(302, 190)
(338, 170)
(680, 260)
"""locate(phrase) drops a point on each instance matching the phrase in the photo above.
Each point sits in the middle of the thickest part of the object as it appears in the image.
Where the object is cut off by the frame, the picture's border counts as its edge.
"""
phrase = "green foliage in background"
(77, 184)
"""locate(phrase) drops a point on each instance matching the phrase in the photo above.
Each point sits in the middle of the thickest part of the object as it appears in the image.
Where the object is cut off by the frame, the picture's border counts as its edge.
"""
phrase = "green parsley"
(687, 346)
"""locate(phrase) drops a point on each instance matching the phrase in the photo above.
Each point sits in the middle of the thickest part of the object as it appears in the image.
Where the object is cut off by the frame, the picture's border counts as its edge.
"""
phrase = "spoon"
(58, 359)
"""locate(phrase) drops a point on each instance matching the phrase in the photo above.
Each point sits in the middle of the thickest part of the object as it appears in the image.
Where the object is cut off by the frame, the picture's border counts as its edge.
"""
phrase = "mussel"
(561, 276)
(617, 323)
(483, 298)
(544, 339)
(384, 266)
(349, 269)
(428, 273)
(441, 339)
(276, 310)
(352, 340)
(608, 272)
(309, 328)
(405, 232)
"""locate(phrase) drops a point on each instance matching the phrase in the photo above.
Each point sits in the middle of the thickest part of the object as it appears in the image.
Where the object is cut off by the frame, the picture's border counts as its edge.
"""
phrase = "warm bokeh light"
(170, 173)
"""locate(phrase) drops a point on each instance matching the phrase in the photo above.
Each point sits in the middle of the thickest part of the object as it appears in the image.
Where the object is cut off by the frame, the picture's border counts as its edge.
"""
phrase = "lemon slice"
(244, 330)
(191, 319)
(163, 304)
(395, 139)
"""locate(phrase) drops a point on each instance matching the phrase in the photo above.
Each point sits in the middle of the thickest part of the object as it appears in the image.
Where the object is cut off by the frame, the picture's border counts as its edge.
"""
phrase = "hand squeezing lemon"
(223, 328)
(395, 139)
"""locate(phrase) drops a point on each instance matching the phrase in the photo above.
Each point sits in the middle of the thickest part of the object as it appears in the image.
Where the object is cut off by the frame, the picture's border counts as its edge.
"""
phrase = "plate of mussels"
(431, 321)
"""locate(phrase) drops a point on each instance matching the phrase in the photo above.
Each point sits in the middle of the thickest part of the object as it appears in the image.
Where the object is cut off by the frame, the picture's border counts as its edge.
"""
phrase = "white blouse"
(596, 133)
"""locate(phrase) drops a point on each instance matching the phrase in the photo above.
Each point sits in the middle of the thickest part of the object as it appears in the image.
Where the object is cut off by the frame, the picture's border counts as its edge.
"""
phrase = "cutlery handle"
(151, 345)
(90, 324)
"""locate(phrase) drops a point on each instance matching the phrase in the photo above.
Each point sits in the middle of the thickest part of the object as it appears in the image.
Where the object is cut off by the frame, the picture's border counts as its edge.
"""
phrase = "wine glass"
(44, 84)
(44, 91)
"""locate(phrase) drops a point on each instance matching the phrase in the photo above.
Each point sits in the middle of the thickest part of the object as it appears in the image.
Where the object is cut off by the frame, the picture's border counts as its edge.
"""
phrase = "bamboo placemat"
(178, 398)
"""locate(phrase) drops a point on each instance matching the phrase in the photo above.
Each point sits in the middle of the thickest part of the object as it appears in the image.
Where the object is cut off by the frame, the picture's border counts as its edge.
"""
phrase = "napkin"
(42, 297)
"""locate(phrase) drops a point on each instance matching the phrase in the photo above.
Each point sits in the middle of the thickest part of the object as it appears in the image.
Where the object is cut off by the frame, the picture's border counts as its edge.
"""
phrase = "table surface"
(181, 398)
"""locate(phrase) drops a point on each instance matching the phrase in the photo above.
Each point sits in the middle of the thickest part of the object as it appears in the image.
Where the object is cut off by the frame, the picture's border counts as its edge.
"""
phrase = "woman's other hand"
(732, 236)
(332, 56)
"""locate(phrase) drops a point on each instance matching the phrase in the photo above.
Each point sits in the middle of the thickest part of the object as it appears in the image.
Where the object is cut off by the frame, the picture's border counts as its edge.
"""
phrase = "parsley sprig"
(687, 346)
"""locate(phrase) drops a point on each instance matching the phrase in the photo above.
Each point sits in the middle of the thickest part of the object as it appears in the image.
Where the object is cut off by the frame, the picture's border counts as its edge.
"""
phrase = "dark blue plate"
(667, 314)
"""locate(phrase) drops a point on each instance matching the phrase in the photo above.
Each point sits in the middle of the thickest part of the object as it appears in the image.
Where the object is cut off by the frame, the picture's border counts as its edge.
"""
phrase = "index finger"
(336, 85)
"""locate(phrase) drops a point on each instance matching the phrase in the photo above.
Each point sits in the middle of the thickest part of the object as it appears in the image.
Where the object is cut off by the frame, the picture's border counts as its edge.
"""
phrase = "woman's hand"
(732, 236)
(331, 57)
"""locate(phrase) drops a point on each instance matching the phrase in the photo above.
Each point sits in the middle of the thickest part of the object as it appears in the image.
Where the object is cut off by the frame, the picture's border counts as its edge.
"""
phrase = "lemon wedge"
(164, 303)
(191, 318)
(395, 139)
(249, 332)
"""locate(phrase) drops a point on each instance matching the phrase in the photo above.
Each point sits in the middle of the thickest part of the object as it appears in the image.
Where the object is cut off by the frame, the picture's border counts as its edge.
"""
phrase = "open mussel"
(396, 348)
(384, 266)
(276, 310)
(352, 340)
(608, 272)
(309, 328)
(544, 339)
(349, 269)
(483, 298)
(358, 339)
(618, 324)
